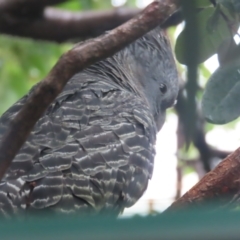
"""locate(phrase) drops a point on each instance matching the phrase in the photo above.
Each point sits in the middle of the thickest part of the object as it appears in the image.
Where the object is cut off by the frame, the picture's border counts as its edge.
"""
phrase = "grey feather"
(93, 149)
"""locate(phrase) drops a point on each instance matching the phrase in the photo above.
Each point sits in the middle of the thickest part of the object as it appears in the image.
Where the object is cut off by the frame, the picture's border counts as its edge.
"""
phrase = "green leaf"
(212, 30)
(236, 4)
(232, 5)
(23, 63)
(70, 5)
(203, 3)
(221, 99)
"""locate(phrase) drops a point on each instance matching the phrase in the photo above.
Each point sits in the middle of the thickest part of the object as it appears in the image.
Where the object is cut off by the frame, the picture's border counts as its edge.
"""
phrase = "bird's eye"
(163, 88)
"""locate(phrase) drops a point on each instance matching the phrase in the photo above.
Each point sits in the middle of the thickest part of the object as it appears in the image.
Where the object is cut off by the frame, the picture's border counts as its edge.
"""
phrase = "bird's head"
(155, 72)
(147, 68)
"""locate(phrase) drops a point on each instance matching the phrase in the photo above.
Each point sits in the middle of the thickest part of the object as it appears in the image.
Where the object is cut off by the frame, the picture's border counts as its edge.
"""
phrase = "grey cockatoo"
(93, 149)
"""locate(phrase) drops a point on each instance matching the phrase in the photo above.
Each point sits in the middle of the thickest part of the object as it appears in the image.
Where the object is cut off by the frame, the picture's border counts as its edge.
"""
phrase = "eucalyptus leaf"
(212, 30)
(221, 99)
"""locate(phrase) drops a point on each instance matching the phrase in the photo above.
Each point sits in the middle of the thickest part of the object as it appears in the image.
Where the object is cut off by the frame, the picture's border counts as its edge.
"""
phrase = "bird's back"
(92, 150)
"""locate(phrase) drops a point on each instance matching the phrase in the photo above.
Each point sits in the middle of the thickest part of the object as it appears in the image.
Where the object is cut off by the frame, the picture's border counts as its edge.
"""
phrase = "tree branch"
(220, 185)
(58, 25)
(207, 153)
(23, 5)
(69, 64)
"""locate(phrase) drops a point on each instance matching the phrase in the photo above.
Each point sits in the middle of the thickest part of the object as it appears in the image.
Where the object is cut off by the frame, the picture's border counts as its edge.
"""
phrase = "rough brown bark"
(69, 64)
(220, 186)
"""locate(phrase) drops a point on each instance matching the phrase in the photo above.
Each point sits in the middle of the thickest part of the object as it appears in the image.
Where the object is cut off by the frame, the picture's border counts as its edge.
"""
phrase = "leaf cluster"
(217, 23)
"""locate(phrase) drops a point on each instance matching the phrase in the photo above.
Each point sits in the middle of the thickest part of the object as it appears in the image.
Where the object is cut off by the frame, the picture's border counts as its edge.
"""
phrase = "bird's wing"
(92, 149)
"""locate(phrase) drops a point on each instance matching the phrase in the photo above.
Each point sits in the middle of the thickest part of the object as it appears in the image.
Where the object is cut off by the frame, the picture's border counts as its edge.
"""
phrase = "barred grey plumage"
(93, 149)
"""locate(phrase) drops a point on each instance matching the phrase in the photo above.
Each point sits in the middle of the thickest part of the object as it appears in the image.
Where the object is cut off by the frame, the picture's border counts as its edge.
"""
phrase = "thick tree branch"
(69, 64)
(58, 25)
(26, 5)
(220, 185)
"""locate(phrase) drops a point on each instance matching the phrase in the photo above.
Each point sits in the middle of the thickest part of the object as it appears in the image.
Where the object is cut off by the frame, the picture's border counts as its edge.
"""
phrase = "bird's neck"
(119, 71)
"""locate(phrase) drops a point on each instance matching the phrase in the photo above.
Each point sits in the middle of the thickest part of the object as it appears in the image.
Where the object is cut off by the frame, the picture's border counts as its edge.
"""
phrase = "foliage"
(221, 98)
(216, 26)
(212, 29)
(24, 62)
